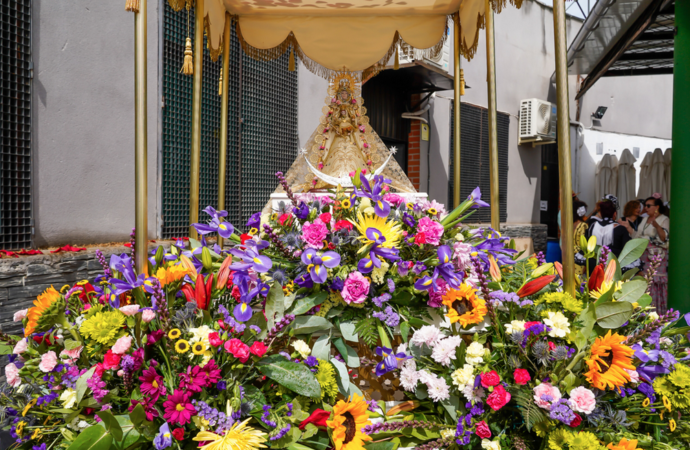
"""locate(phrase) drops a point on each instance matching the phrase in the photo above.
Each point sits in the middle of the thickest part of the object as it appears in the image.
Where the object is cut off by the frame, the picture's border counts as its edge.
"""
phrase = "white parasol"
(606, 176)
(667, 174)
(645, 189)
(626, 178)
(657, 173)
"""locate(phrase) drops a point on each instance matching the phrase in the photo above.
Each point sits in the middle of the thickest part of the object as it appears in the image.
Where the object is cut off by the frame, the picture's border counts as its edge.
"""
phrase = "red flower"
(201, 293)
(325, 218)
(99, 370)
(236, 292)
(178, 408)
(238, 349)
(343, 224)
(597, 278)
(498, 398)
(178, 433)
(331, 246)
(552, 346)
(318, 418)
(258, 348)
(576, 421)
(420, 238)
(111, 360)
(529, 325)
(483, 430)
(40, 339)
(245, 237)
(490, 379)
(214, 339)
(521, 376)
(285, 219)
(535, 286)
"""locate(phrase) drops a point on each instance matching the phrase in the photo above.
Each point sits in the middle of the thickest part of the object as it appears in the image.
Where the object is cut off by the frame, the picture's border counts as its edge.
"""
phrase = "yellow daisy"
(182, 346)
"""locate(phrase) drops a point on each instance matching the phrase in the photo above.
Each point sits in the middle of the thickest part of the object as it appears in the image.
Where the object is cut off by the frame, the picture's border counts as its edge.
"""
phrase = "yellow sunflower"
(346, 204)
(174, 333)
(390, 230)
(464, 306)
(239, 437)
(608, 361)
(348, 420)
(182, 346)
(624, 444)
(199, 348)
(47, 303)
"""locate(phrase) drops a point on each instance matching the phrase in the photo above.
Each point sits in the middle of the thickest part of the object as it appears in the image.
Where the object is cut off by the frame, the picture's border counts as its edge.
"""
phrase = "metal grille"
(15, 154)
(474, 151)
(263, 95)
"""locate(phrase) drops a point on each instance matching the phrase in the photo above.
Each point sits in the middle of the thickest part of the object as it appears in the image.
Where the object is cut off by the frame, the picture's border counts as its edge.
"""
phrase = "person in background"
(607, 231)
(655, 228)
(579, 229)
(631, 216)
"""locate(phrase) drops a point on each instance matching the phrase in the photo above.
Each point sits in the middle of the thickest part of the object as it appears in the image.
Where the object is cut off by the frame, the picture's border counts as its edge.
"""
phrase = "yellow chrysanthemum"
(584, 440)
(103, 327)
(325, 375)
(174, 333)
(608, 361)
(238, 437)
(564, 299)
(558, 438)
(348, 420)
(182, 346)
(605, 287)
(171, 274)
(42, 305)
(464, 306)
(389, 229)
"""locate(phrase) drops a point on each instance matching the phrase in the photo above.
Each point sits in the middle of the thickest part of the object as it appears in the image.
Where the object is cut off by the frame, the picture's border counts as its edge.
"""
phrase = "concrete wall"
(83, 120)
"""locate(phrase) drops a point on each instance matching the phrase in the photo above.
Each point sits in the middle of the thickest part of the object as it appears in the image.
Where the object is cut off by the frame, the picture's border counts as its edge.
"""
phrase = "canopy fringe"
(498, 5)
(132, 5)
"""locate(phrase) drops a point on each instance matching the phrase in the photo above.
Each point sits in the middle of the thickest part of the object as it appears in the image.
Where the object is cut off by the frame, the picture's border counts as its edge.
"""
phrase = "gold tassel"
(462, 81)
(188, 65)
(291, 65)
(396, 64)
(132, 5)
(220, 83)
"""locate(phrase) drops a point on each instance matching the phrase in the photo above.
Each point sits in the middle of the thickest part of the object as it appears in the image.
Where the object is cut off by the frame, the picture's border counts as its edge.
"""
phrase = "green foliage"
(93, 438)
(531, 413)
(366, 329)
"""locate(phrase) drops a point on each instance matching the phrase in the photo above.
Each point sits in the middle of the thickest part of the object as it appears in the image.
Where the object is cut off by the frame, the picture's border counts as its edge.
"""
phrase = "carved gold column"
(493, 134)
(196, 117)
(140, 148)
(457, 88)
(222, 154)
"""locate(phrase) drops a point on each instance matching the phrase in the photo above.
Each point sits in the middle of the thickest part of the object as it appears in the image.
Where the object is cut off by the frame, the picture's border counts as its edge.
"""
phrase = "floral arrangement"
(301, 333)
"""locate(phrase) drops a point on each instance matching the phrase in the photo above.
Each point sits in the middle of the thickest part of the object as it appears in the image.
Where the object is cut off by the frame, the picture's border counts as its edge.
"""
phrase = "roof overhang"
(416, 77)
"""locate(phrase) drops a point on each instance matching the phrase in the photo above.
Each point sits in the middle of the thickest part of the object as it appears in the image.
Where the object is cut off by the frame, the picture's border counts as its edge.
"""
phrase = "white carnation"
(444, 350)
(428, 335)
(560, 327)
(462, 377)
(515, 325)
(475, 353)
(302, 348)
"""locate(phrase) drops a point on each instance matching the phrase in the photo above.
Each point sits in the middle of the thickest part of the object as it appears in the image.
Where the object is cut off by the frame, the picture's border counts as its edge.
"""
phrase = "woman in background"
(655, 228)
(631, 216)
(607, 231)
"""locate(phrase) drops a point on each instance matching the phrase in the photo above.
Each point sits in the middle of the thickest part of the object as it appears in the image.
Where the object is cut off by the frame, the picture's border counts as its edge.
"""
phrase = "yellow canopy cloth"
(352, 36)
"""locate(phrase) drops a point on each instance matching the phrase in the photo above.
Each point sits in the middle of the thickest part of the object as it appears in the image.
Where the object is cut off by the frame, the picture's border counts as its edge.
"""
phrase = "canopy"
(357, 35)
(626, 178)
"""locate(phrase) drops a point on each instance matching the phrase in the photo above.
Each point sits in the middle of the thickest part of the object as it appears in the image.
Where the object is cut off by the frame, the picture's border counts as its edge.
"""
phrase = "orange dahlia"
(624, 444)
(464, 306)
(44, 304)
(608, 361)
(348, 420)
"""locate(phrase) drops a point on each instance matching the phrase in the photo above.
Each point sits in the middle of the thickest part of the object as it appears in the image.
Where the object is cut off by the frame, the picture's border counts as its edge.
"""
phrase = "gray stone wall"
(536, 231)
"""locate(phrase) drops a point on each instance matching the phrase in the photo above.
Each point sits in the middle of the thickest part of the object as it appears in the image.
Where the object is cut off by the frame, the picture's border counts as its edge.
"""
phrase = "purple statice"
(281, 433)
(337, 284)
(654, 337)
(403, 268)
(311, 361)
(289, 409)
(500, 297)
(561, 411)
(69, 378)
(97, 387)
(39, 447)
(216, 418)
(266, 417)
(381, 299)
(604, 257)
(388, 316)
(373, 405)
(391, 285)
(462, 436)
(222, 385)
(477, 409)
(226, 314)
(255, 328)
(46, 399)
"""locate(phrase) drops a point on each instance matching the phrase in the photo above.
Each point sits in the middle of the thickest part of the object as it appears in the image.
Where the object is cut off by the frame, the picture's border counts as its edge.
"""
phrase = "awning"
(355, 35)
(624, 38)
(417, 77)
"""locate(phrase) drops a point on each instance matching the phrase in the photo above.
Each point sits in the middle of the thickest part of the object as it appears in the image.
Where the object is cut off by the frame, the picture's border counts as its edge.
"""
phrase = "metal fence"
(15, 153)
(262, 130)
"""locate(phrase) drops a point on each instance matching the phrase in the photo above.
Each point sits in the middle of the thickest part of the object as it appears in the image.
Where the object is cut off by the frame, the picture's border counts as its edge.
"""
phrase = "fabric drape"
(667, 175)
(606, 176)
(657, 173)
(626, 178)
(645, 188)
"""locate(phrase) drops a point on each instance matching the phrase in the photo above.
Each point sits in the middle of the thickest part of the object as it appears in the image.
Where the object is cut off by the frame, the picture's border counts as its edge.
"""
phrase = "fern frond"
(531, 413)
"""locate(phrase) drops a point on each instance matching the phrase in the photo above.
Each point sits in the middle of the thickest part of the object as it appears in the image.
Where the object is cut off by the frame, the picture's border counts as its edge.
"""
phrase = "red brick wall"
(413, 143)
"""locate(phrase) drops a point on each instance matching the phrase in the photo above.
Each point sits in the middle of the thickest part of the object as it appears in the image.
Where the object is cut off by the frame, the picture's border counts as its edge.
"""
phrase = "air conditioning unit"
(538, 121)
(408, 54)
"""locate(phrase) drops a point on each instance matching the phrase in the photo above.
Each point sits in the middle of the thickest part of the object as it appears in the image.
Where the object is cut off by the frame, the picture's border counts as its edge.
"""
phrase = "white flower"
(409, 376)
(21, 315)
(21, 347)
(475, 353)
(83, 424)
(378, 274)
(428, 335)
(490, 445)
(447, 434)
(68, 398)
(302, 348)
(200, 335)
(438, 389)
(634, 376)
(402, 348)
(472, 394)
(652, 316)
(463, 376)
(515, 325)
(560, 327)
(444, 350)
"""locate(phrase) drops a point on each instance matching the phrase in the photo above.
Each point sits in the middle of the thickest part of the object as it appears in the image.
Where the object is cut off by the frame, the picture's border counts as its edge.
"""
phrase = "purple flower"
(302, 211)
(388, 316)
(374, 193)
(316, 265)
(337, 284)
(391, 361)
(476, 197)
(311, 361)
(391, 285)
(123, 264)
(445, 269)
(255, 220)
(304, 281)
(409, 220)
(380, 300)
(251, 257)
(224, 229)
(561, 411)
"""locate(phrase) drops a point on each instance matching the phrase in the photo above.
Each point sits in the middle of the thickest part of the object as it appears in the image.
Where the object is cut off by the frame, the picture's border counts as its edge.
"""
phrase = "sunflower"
(464, 306)
(238, 437)
(608, 361)
(432, 211)
(253, 231)
(624, 444)
(182, 346)
(174, 333)
(390, 230)
(44, 312)
(199, 348)
(348, 420)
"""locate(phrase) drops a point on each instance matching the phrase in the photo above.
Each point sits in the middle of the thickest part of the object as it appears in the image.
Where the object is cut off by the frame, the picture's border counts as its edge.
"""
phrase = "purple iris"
(316, 265)
(243, 311)
(163, 439)
(251, 257)
(374, 193)
(476, 197)
(408, 220)
(302, 211)
(495, 248)
(445, 269)
(391, 361)
(255, 220)
(377, 252)
(131, 280)
(304, 281)
(224, 229)
(648, 370)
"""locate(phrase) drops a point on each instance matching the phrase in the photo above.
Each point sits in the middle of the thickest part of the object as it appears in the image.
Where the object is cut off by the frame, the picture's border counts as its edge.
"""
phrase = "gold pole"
(493, 134)
(140, 184)
(457, 88)
(564, 170)
(224, 119)
(196, 117)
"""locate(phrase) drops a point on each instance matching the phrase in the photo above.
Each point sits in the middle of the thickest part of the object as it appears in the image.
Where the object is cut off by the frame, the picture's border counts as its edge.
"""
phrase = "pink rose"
(72, 355)
(394, 199)
(148, 315)
(521, 376)
(498, 398)
(20, 315)
(111, 360)
(314, 233)
(129, 310)
(545, 395)
(432, 230)
(582, 400)
(490, 379)
(122, 345)
(48, 361)
(12, 375)
(238, 349)
(21, 347)
(356, 288)
(483, 430)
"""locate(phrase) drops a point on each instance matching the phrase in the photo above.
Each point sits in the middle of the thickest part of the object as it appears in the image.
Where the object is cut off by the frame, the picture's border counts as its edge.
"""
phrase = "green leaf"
(380, 446)
(254, 395)
(632, 291)
(275, 305)
(93, 438)
(460, 354)
(645, 300)
(309, 430)
(297, 446)
(5, 349)
(348, 331)
(422, 392)
(322, 348)
(629, 274)
(310, 324)
(367, 331)
(632, 251)
(71, 344)
(296, 377)
(606, 296)
(138, 415)
(130, 434)
(588, 318)
(304, 304)
(452, 405)
(290, 437)
(531, 413)
(110, 424)
(259, 320)
(81, 383)
(402, 297)
(348, 353)
(613, 314)
(405, 331)
(344, 380)
(193, 243)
